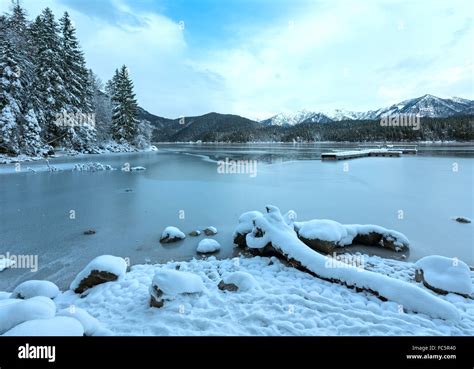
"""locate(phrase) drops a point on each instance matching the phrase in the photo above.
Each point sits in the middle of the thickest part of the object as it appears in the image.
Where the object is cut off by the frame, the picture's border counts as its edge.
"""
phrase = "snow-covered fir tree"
(77, 104)
(124, 126)
(19, 123)
(50, 93)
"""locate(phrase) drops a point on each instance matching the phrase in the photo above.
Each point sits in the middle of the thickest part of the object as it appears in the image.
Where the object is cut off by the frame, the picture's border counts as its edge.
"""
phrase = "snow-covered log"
(271, 231)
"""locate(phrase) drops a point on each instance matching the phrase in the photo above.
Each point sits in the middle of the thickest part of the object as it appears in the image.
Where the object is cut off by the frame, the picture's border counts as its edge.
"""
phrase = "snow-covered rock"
(57, 326)
(270, 229)
(208, 245)
(322, 234)
(102, 269)
(34, 288)
(172, 234)
(167, 284)
(195, 233)
(92, 167)
(92, 327)
(16, 311)
(325, 235)
(210, 231)
(245, 226)
(443, 275)
(242, 280)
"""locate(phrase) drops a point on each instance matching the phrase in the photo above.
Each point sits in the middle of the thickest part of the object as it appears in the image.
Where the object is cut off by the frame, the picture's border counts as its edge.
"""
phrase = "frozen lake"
(129, 210)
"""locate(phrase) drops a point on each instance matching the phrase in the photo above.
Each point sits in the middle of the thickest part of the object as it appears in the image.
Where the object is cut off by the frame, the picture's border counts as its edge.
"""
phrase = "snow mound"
(208, 245)
(6, 263)
(346, 234)
(92, 167)
(243, 280)
(271, 228)
(58, 326)
(324, 229)
(173, 282)
(451, 275)
(104, 263)
(92, 327)
(16, 311)
(172, 234)
(4, 295)
(34, 288)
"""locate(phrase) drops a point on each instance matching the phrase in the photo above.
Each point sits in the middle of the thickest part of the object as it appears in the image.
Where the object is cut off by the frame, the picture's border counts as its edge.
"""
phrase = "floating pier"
(345, 155)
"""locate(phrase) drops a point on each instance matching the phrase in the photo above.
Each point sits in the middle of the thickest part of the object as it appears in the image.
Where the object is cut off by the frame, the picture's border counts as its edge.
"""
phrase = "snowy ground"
(285, 301)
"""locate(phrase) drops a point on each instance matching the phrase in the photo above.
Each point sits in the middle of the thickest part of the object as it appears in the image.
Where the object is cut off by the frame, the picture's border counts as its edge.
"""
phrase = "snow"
(105, 263)
(4, 295)
(174, 282)
(172, 232)
(34, 288)
(16, 311)
(447, 274)
(343, 235)
(92, 327)
(6, 263)
(208, 245)
(57, 326)
(92, 167)
(243, 280)
(288, 302)
(323, 229)
(246, 222)
(284, 239)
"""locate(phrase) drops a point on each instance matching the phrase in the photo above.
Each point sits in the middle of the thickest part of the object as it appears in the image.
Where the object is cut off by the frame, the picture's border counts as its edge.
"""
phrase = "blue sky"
(257, 58)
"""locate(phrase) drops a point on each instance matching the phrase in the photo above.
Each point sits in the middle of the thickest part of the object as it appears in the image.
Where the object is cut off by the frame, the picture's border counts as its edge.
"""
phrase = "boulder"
(444, 275)
(102, 269)
(172, 234)
(210, 231)
(34, 288)
(195, 233)
(227, 286)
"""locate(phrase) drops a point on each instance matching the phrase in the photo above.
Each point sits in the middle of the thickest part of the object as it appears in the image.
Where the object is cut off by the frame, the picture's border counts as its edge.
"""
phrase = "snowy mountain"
(426, 106)
(302, 116)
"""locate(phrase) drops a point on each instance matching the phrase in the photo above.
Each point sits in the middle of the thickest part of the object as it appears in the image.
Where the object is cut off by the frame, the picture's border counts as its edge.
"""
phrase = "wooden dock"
(345, 155)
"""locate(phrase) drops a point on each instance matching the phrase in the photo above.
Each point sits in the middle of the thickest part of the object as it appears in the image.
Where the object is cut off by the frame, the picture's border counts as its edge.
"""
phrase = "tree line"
(50, 99)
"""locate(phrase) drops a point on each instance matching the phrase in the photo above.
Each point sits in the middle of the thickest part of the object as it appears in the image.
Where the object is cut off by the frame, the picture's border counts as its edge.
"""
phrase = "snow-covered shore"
(285, 301)
(111, 148)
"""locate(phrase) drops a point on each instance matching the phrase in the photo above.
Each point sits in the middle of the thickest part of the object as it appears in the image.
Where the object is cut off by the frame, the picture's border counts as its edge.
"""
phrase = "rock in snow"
(325, 235)
(167, 284)
(57, 326)
(102, 269)
(195, 233)
(210, 231)
(244, 281)
(34, 288)
(443, 275)
(172, 234)
(208, 245)
(16, 311)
